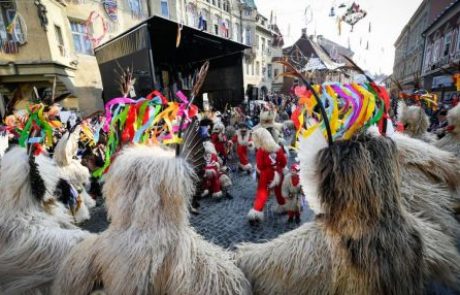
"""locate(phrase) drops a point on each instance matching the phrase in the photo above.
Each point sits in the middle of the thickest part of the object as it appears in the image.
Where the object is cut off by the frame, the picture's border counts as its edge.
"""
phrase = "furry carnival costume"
(149, 247)
(350, 246)
(243, 141)
(215, 180)
(270, 160)
(451, 142)
(415, 122)
(74, 172)
(35, 234)
(267, 119)
(430, 182)
(292, 193)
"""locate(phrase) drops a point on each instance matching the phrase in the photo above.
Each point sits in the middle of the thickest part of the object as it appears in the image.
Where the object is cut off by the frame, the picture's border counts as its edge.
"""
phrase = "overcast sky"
(387, 19)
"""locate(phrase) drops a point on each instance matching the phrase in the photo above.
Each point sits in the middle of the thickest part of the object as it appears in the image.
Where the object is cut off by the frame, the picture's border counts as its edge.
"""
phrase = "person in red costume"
(211, 172)
(216, 182)
(242, 140)
(292, 193)
(270, 161)
(219, 139)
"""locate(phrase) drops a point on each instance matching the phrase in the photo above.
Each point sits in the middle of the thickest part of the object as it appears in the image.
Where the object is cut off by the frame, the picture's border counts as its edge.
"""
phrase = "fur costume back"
(451, 142)
(149, 247)
(415, 122)
(350, 247)
(430, 182)
(35, 235)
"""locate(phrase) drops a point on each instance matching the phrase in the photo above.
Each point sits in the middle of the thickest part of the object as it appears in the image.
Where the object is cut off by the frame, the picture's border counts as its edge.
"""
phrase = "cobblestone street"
(224, 221)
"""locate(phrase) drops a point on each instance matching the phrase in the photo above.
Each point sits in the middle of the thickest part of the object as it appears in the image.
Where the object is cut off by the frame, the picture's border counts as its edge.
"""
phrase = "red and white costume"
(292, 192)
(215, 179)
(219, 139)
(270, 160)
(242, 140)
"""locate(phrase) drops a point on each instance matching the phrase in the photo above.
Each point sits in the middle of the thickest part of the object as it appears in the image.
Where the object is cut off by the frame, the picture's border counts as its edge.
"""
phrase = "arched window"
(192, 15)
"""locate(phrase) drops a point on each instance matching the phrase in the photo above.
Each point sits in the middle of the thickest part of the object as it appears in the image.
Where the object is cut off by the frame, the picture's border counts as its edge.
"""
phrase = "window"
(269, 70)
(165, 8)
(447, 43)
(428, 55)
(136, 7)
(252, 69)
(10, 25)
(59, 39)
(436, 50)
(213, 2)
(248, 36)
(258, 68)
(276, 73)
(247, 68)
(191, 15)
(219, 3)
(236, 32)
(80, 40)
(203, 20)
(263, 44)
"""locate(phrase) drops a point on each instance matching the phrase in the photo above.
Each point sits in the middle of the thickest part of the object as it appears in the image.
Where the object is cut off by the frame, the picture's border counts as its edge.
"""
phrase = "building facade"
(442, 51)
(48, 44)
(409, 46)
(239, 21)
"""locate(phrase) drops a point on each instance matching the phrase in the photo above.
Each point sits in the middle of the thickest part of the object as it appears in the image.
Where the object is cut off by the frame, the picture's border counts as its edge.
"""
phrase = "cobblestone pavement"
(224, 221)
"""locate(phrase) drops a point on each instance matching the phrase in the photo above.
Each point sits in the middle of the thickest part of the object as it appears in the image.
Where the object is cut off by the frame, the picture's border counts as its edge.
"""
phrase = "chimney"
(304, 33)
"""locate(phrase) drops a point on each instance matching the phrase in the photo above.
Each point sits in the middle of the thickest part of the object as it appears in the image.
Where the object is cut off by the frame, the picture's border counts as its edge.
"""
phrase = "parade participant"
(415, 122)
(353, 186)
(219, 139)
(74, 172)
(267, 118)
(451, 141)
(292, 193)
(242, 140)
(270, 162)
(149, 247)
(35, 234)
(216, 181)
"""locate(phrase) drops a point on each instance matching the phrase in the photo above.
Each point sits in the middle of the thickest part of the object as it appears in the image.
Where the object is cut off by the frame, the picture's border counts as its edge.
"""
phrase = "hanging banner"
(111, 8)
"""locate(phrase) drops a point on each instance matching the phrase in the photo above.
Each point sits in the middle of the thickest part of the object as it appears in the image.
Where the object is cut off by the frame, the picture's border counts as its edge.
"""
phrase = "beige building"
(48, 44)
(239, 21)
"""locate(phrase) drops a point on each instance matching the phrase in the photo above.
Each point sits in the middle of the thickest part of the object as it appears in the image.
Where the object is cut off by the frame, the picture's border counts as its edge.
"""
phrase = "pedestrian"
(243, 141)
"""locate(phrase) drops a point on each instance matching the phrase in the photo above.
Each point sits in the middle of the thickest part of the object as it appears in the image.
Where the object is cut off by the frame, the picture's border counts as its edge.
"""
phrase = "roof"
(314, 56)
(322, 61)
(329, 46)
(250, 3)
(441, 16)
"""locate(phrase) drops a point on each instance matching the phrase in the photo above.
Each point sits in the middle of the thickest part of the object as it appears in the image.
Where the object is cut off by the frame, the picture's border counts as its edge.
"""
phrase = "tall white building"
(239, 21)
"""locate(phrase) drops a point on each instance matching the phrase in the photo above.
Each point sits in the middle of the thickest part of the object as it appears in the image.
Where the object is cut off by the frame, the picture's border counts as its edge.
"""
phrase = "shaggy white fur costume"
(74, 172)
(430, 182)
(451, 142)
(149, 247)
(415, 122)
(35, 235)
(333, 254)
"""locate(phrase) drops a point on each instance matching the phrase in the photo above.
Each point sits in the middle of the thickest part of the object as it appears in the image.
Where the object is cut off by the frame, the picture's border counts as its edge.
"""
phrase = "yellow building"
(48, 44)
